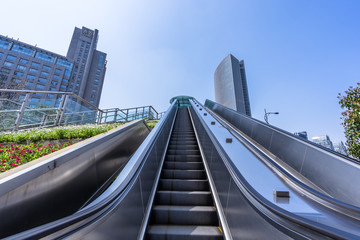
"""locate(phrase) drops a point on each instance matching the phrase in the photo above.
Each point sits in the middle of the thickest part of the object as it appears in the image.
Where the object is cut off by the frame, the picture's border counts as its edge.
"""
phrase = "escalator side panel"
(243, 220)
(335, 173)
(60, 186)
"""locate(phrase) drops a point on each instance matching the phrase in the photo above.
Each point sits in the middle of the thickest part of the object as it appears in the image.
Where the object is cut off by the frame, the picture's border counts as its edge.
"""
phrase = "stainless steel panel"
(337, 171)
(124, 220)
(42, 193)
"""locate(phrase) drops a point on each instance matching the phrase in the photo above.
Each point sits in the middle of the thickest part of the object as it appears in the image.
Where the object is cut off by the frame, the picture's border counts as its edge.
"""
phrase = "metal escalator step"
(183, 185)
(183, 165)
(183, 158)
(183, 147)
(183, 152)
(184, 215)
(182, 198)
(181, 232)
(183, 174)
(173, 142)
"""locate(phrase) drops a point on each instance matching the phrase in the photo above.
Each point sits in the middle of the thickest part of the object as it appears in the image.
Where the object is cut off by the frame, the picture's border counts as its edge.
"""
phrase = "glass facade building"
(324, 141)
(231, 86)
(81, 71)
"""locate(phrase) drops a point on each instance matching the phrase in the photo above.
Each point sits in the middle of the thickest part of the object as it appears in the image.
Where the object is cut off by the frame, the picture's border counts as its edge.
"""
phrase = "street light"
(267, 114)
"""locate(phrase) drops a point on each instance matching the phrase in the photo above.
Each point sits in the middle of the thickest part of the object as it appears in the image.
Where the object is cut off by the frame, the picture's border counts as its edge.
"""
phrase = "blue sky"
(298, 54)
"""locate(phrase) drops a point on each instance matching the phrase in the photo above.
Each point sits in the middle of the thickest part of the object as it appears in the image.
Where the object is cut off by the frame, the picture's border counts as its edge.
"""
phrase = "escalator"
(184, 206)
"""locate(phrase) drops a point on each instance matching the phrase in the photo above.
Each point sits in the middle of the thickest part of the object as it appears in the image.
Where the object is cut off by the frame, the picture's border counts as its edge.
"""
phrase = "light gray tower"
(230, 85)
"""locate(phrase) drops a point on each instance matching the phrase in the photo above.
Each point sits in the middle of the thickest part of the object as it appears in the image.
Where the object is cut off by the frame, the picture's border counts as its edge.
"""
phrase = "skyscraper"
(82, 71)
(324, 141)
(231, 86)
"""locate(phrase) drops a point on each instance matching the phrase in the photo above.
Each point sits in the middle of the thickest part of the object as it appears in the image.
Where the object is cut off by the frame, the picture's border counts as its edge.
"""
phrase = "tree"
(351, 117)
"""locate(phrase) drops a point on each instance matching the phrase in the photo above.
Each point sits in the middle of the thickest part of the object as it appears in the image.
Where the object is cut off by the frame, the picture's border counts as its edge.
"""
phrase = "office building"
(302, 134)
(231, 86)
(81, 71)
(340, 147)
(324, 141)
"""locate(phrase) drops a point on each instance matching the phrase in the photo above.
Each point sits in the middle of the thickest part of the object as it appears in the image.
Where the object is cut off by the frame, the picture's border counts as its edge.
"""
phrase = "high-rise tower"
(231, 86)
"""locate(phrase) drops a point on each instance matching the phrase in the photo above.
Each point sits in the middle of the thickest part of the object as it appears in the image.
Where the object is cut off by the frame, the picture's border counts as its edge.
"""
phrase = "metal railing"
(29, 108)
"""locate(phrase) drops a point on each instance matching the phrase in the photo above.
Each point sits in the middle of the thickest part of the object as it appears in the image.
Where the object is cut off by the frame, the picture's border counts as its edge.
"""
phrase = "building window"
(51, 96)
(29, 84)
(8, 64)
(63, 86)
(21, 67)
(58, 71)
(92, 96)
(92, 102)
(94, 90)
(24, 61)
(101, 60)
(35, 64)
(45, 57)
(96, 80)
(40, 86)
(11, 57)
(5, 70)
(45, 67)
(68, 66)
(19, 74)
(4, 44)
(1, 54)
(44, 74)
(23, 50)
(96, 85)
(33, 70)
(54, 83)
(30, 77)
(56, 77)
(52, 89)
(42, 80)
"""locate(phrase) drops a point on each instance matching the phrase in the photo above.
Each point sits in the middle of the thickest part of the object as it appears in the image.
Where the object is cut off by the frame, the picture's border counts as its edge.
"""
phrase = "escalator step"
(185, 215)
(183, 147)
(183, 185)
(196, 198)
(183, 174)
(183, 142)
(183, 158)
(184, 165)
(181, 232)
(183, 152)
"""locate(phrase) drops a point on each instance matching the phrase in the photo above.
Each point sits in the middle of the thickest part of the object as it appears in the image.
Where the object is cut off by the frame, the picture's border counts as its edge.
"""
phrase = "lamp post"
(267, 114)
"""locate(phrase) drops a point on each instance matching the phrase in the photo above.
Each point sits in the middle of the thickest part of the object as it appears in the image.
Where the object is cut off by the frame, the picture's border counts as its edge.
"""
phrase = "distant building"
(302, 134)
(340, 147)
(231, 86)
(324, 141)
(81, 71)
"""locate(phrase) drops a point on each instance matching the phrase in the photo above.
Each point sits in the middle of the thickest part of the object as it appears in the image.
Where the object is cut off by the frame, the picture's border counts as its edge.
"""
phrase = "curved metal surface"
(119, 211)
(332, 172)
(237, 173)
(59, 186)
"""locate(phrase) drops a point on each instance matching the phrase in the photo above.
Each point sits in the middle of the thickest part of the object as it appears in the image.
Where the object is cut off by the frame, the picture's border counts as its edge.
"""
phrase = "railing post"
(21, 112)
(99, 117)
(143, 112)
(58, 114)
(135, 113)
(43, 121)
(115, 115)
(63, 109)
(127, 115)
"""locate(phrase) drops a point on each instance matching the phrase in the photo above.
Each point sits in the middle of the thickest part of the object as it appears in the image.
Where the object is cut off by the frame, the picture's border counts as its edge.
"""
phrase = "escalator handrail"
(261, 203)
(320, 197)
